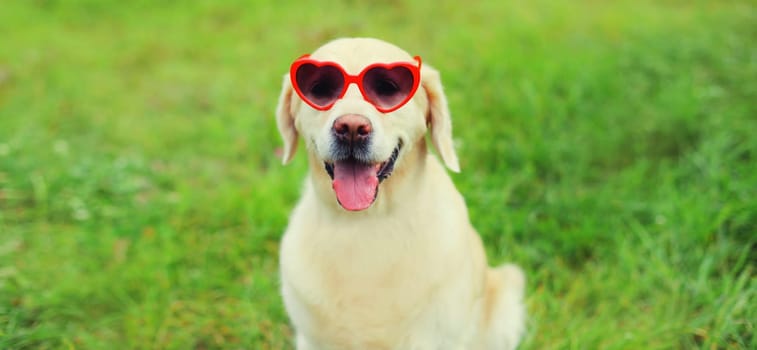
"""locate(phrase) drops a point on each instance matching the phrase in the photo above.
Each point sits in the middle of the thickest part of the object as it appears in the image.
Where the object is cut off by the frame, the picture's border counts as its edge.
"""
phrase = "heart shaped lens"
(387, 88)
(320, 85)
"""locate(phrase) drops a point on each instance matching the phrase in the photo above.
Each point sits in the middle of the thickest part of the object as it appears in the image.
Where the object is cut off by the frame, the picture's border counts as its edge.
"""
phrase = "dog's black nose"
(352, 129)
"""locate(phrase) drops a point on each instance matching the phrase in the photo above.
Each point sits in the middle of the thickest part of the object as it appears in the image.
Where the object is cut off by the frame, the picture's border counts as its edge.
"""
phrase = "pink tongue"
(355, 184)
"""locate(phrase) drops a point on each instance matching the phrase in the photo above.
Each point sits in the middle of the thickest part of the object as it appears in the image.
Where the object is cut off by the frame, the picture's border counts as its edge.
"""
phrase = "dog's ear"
(285, 120)
(439, 118)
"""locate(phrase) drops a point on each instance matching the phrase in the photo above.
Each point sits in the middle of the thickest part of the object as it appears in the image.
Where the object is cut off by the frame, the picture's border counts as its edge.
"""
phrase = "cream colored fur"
(410, 271)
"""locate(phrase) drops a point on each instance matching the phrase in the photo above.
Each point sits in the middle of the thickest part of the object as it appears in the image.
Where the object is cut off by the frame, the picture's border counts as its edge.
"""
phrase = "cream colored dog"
(370, 261)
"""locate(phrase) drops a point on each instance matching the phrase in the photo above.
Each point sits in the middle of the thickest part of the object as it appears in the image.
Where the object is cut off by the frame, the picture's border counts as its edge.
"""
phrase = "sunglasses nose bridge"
(352, 89)
(353, 101)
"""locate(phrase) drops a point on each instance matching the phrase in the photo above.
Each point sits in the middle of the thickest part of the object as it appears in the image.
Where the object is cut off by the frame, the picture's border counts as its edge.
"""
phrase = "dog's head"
(361, 105)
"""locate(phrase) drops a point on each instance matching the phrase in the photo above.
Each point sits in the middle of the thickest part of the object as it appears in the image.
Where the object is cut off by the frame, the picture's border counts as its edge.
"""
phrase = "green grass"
(609, 148)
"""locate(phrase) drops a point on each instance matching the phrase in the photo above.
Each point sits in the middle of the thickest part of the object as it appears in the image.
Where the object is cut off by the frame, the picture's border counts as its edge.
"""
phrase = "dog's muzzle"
(355, 178)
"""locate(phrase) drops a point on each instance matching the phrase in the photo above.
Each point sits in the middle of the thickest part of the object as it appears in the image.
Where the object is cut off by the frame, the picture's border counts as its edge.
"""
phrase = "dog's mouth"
(356, 182)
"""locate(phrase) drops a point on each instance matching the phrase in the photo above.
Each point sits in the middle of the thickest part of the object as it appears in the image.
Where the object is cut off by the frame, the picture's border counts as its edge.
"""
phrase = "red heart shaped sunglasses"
(387, 86)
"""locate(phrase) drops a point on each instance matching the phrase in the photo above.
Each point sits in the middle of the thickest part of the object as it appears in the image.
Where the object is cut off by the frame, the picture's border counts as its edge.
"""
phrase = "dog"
(379, 252)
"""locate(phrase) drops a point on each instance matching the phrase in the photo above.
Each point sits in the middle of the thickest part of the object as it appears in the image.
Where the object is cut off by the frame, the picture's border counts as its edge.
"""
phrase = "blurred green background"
(608, 147)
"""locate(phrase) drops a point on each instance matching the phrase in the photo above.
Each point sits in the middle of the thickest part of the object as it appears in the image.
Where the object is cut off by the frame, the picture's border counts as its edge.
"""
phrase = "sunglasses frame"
(415, 70)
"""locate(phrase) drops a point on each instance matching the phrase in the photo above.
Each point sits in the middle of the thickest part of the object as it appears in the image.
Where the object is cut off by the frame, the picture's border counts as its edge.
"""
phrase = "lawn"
(607, 147)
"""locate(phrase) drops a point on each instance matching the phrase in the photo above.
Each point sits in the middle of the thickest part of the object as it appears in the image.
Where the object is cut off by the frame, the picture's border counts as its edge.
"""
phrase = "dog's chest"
(388, 312)
(371, 294)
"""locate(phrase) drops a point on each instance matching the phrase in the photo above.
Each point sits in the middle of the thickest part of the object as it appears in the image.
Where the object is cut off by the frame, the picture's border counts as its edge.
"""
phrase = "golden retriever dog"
(379, 252)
